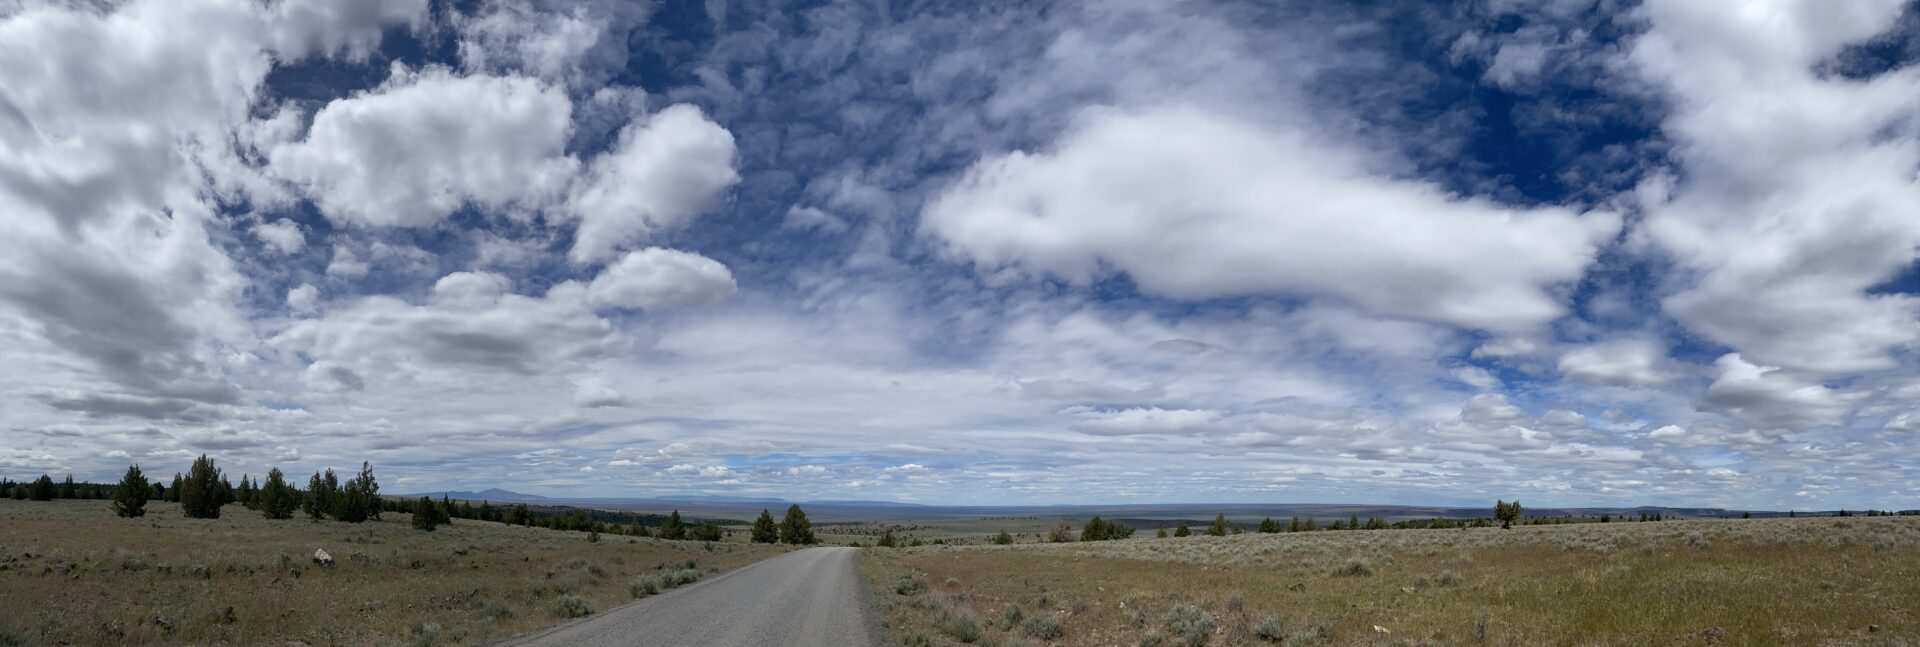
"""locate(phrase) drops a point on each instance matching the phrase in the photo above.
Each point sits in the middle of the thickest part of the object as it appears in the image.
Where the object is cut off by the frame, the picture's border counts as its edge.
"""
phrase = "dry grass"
(71, 572)
(1810, 581)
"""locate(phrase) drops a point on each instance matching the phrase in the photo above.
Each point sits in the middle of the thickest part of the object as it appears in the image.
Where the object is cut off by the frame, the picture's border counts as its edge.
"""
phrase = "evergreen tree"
(369, 490)
(323, 495)
(1295, 526)
(886, 539)
(1094, 530)
(130, 496)
(44, 489)
(1161, 534)
(200, 494)
(244, 493)
(1004, 539)
(69, 491)
(1353, 522)
(1182, 530)
(1506, 512)
(466, 510)
(426, 514)
(706, 532)
(672, 528)
(225, 490)
(765, 531)
(520, 515)
(1269, 526)
(277, 499)
(1219, 527)
(795, 529)
(156, 492)
(173, 491)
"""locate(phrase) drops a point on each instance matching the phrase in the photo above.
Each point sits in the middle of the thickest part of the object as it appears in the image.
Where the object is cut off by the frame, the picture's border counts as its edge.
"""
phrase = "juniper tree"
(68, 491)
(1182, 530)
(130, 496)
(426, 514)
(1353, 521)
(1094, 530)
(1506, 512)
(173, 491)
(765, 531)
(200, 494)
(1219, 527)
(886, 539)
(1003, 538)
(1269, 526)
(794, 527)
(44, 489)
(1161, 534)
(277, 499)
(672, 528)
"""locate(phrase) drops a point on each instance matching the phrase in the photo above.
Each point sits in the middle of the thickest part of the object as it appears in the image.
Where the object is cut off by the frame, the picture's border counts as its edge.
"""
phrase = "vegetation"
(1098, 529)
(1219, 527)
(1725, 581)
(276, 499)
(130, 496)
(204, 491)
(795, 529)
(765, 531)
(1507, 513)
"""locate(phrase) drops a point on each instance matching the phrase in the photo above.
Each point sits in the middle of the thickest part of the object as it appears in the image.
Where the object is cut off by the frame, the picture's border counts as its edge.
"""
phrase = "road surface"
(811, 597)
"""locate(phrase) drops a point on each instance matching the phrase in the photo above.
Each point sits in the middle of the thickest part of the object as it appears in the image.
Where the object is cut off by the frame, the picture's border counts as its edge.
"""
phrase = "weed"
(961, 625)
(571, 606)
(909, 586)
(1271, 629)
(1042, 627)
(1188, 625)
(1354, 567)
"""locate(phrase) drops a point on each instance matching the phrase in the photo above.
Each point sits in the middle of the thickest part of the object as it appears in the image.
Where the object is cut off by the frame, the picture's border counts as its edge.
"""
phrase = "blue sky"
(1569, 251)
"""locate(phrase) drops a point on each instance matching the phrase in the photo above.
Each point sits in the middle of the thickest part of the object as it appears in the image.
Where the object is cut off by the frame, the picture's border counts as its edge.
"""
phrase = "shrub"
(1153, 639)
(1353, 567)
(1219, 527)
(1062, 533)
(644, 586)
(44, 489)
(1003, 538)
(961, 625)
(1449, 579)
(495, 609)
(915, 639)
(1188, 625)
(130, 496)
(1271, 629)
(1042, 627)
(1010, 616)
(706, 532)
(909, 586)
(572, 606)
(1182, 530)
(682, 577)
(425, 633)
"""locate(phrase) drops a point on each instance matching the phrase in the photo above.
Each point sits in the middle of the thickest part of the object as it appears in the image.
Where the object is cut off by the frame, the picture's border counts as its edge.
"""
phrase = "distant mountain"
(866, 504)
(489, 494)
(715, 498)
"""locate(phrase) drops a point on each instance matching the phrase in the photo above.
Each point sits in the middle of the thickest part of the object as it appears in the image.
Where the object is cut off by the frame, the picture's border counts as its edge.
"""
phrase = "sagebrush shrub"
(1188, 625)
(1271, 629)
(961, 625)
(909, 586)
(572, 606)
(1042, 627)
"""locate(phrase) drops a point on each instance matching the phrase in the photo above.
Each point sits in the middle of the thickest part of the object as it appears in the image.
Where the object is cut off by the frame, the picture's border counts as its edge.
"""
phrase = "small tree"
(44, 489)
(1219, 527)
(1182, 530)
(1003, 538)
(277, 499)
(427, 514)
(1094, 530)
(672, 528)
(322, 492)
(1062, 532)
(1507, 513)
(706, 532)
(200, 494)
(765, 531)
(794, 527)
(130, 496)
(1269, 526)
(886, 540)
(1162, 533)
(173, 491)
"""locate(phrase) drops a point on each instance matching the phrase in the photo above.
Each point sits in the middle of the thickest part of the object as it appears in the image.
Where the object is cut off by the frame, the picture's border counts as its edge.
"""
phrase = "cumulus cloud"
(1772, 398)
(1625, 362)
(427, 143)
(1195, 205)
(660, 278)
(666, 169)
(282, 235)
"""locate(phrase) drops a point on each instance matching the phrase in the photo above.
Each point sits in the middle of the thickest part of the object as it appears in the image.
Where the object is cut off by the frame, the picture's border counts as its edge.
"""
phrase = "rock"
(1873, 629)
(1380, 630)
(322, 558)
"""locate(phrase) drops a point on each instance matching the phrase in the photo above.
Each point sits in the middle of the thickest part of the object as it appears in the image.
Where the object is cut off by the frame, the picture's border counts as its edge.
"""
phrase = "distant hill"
(489, 494)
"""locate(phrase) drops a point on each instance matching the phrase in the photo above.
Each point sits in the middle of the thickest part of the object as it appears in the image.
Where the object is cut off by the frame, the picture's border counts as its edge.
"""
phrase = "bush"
(909, 586)
(1003, 538)
(961, 625)
(1042, 627)
(1354, 567)
(1188, 625)
(572, 606)
(681, 577)
(1271, 629)
(644, 586)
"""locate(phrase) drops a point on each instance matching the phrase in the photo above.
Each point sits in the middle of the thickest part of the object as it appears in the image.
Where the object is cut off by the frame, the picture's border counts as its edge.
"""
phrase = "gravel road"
(808, 597)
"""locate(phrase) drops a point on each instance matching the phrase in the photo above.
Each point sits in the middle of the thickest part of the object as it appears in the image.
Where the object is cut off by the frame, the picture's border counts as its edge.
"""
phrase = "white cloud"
(1772, 398)
(1795, 189)
(303, 298)
(283, 235)
(661, 278)
(1623, 362)
(807, 470)
(349, 27)
(427, 143)
(665, 170)
(1151, 420)
(905, 469)
(1192, 204)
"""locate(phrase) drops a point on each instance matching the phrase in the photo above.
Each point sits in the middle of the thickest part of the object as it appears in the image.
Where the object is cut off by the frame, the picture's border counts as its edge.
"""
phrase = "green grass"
(72, 572)
(1749, 582)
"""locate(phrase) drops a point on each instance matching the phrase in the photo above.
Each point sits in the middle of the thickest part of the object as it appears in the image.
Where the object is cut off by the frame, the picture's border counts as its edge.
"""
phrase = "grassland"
(1807, 581)
(72, 573)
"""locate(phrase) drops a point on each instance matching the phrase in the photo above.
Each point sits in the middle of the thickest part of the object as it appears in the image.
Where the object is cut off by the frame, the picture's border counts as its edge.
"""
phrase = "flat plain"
(73, 573)
(1804, 581)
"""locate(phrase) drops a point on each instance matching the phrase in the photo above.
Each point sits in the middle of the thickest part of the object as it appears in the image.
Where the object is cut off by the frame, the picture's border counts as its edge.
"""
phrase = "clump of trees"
(277, 499)
(429, 514)
(1097, 529)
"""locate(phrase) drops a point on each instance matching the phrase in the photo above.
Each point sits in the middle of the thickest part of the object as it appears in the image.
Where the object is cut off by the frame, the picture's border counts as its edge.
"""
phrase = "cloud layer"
(1585, 252)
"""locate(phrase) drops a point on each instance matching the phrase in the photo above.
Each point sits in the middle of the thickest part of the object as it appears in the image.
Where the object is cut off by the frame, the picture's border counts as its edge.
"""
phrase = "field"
(1806, 581)
(73, 573)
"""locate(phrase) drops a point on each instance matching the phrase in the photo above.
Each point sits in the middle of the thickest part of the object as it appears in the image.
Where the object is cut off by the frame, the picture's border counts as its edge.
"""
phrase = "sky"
(1574, 252)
